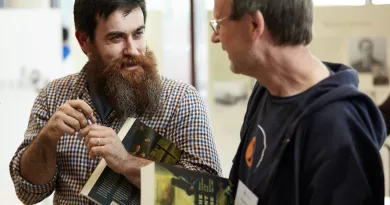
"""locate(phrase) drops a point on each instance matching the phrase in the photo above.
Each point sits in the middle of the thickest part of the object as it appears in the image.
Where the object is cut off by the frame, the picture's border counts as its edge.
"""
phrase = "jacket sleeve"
(190, 129)
(341, 164)
(29, 193)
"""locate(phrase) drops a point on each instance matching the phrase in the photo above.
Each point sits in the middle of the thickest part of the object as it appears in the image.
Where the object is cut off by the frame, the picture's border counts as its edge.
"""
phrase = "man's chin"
(234, 69)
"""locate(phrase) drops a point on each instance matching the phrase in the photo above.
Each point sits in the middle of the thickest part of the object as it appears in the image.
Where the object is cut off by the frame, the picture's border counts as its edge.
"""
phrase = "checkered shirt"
(181, 118)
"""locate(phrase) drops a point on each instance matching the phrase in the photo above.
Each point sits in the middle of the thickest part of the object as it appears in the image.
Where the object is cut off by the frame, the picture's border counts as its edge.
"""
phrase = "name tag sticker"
(245, 196)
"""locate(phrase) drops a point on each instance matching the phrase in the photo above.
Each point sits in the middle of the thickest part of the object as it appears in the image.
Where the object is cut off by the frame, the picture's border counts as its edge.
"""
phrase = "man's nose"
(215, 37)
(130, 48)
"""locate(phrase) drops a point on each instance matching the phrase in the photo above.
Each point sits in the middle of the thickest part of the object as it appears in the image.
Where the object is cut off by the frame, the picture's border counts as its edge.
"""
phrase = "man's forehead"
(122, 18)
(222, 8)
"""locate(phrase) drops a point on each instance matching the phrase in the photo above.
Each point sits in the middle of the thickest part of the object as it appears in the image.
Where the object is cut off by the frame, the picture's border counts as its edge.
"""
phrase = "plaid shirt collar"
(79, 90)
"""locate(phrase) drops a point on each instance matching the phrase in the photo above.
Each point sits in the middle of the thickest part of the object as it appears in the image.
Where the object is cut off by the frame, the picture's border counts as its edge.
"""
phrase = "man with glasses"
(309, 136)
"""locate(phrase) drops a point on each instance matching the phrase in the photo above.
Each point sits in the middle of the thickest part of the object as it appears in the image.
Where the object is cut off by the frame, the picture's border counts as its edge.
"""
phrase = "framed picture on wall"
(368, 55)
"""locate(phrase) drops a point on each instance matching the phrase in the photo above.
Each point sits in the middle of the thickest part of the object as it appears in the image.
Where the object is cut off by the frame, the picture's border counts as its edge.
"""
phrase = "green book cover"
(163, 184)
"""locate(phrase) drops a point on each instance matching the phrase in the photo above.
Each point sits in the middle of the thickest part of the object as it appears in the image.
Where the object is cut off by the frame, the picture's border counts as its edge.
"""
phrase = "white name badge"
(245, 196)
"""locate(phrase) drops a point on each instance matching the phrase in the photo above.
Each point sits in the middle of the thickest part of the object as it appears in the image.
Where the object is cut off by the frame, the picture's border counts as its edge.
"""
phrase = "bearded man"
(119, 81)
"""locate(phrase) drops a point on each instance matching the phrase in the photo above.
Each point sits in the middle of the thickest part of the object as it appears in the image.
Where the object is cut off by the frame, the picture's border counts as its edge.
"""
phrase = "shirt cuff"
(193, 167)
(187, 165)
(29, 187)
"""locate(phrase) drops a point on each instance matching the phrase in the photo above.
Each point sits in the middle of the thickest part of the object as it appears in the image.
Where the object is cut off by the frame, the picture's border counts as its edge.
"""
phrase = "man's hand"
(68, 119)
(38, 162)
(103, 141)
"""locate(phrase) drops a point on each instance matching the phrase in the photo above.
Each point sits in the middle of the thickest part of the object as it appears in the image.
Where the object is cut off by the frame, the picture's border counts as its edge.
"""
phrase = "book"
(107, 187)
(164, 184)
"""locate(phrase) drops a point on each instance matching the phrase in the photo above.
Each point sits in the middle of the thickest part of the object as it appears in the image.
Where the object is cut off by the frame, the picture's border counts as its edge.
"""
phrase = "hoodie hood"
(342, 85)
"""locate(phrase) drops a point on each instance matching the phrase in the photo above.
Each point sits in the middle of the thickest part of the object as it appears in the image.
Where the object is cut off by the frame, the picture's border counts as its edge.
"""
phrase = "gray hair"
(289, 21)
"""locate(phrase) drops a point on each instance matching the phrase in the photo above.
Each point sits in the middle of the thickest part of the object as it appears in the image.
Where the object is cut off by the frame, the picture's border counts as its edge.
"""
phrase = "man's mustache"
(131, 61)
(120, 64)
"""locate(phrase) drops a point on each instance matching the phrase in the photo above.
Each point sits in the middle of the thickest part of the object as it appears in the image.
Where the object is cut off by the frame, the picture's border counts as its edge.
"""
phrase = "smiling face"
(122, 67)
(121, 35)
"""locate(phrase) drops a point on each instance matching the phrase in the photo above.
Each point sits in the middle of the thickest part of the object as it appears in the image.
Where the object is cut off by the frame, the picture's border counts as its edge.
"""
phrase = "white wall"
(31, 46)
(28, 3)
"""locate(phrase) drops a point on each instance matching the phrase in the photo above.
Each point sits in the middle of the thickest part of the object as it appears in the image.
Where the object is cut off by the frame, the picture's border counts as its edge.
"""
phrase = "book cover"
(107, 187)
(163, 184)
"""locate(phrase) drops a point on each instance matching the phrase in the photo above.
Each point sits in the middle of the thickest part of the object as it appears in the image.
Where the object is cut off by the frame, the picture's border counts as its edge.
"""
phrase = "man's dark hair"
(365, 40)
(289, 21)
(86, 12)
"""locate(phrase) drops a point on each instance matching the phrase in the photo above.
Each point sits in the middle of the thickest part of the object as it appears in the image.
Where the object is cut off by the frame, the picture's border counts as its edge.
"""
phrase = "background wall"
(28, 4)
(27, 62)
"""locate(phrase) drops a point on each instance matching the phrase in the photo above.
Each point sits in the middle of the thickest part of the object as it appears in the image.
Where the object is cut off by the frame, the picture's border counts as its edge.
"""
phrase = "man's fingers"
(92, 156)
(84, 132)
(78, 115)
(70, 121)
(96, 142)
(84, 107)
(90, 131)
(68, 110)
(97, 151)
(66, 129)
(93, 133)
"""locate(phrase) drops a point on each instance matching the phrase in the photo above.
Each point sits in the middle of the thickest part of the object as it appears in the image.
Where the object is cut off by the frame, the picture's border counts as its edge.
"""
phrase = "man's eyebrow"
(140, 28)
(115, 33)
(121, 33)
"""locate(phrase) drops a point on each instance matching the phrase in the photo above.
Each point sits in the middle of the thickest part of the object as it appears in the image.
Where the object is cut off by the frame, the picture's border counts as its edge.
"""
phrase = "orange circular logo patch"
(250, 151)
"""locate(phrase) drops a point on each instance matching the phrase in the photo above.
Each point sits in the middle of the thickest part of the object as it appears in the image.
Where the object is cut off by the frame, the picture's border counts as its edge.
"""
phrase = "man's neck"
(290, 71)
(102, 106)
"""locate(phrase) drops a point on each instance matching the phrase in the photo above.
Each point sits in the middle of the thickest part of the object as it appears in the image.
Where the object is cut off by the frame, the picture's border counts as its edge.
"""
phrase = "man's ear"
(258, 24)
(84, 42)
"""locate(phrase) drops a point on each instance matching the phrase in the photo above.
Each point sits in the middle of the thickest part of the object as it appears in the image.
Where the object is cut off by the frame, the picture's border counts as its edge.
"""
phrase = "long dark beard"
(133, 93)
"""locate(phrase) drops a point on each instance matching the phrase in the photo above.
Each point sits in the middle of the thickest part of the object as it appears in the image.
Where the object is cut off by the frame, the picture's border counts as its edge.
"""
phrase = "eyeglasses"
(214, 24)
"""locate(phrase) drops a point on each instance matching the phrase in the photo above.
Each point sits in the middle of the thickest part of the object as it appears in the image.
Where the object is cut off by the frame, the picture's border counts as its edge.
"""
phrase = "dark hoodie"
(385, 109)
(320, 147)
